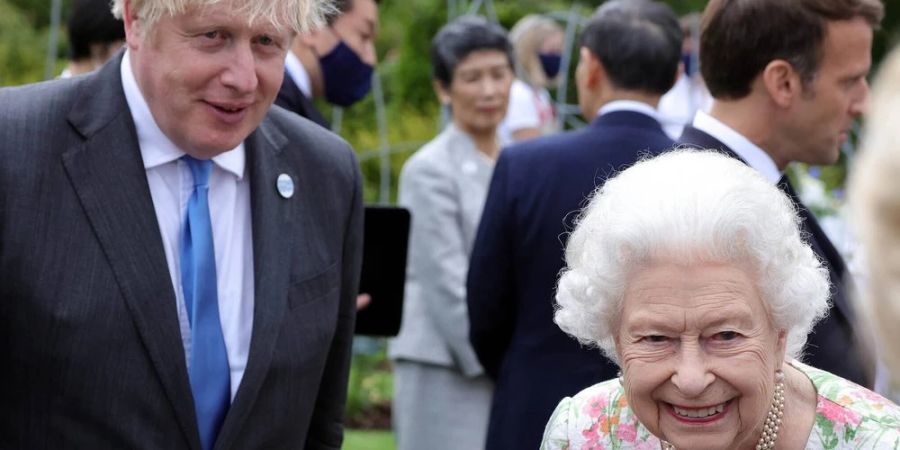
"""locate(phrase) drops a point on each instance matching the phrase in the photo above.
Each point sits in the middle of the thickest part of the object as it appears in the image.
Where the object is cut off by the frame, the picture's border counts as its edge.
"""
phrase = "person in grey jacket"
(441, 396)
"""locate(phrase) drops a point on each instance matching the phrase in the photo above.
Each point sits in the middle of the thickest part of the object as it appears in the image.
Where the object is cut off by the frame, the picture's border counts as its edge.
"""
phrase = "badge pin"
(285, 185)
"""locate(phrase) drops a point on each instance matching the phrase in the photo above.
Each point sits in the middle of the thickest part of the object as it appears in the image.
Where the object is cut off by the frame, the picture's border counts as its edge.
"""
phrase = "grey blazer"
(444, 185)
(89, 335)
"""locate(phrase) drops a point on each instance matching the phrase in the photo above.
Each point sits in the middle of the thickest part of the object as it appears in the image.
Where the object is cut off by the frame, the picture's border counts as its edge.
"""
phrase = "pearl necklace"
(773, 418)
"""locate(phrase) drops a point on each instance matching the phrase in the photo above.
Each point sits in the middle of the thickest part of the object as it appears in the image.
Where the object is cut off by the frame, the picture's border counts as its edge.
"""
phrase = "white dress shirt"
(751, 153)
(628, 105)
(171, 185)
(298, 73)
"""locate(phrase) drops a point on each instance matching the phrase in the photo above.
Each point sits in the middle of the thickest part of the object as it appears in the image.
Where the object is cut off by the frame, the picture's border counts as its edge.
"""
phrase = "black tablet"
(386, 238)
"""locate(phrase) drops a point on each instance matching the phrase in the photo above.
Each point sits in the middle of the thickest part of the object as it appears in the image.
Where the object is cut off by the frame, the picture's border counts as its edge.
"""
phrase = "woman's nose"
(692, 375)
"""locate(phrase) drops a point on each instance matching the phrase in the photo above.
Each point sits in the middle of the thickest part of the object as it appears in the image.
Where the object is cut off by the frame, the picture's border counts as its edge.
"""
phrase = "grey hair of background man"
(688, 207)
(296, 15)
(875, 201)
(638, 42)
(459, 38)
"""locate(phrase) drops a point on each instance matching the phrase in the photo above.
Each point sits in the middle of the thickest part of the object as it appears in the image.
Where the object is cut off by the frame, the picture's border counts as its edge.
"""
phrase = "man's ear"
(441, 92)
(134, 26)
(782, 82)
(595, 73)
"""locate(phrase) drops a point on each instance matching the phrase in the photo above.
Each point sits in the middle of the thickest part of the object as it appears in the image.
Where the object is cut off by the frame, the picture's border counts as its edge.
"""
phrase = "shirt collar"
(628, 105)
(156, 148)
(298, 73)
(751, 153)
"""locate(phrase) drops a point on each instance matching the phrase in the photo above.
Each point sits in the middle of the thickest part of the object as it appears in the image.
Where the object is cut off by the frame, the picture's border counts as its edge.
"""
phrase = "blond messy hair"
(875, 203)
(298, 15)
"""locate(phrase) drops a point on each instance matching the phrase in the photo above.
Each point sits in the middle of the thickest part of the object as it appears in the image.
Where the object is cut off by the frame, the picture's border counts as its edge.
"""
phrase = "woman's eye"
(211, 34)
(266, 40)
(656, 338)
(726, 335)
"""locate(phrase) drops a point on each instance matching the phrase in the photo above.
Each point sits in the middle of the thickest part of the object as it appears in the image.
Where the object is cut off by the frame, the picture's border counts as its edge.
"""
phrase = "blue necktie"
(209, 372)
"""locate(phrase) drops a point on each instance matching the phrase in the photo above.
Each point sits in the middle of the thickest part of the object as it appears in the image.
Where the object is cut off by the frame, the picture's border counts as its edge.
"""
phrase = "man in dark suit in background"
(628, 58)
(788, 79)
(179, 261)
(334, 62)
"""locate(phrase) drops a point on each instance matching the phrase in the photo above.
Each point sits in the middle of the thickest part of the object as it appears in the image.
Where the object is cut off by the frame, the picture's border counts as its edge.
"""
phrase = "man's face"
(358, 28)
(207, 75)
(820, 121)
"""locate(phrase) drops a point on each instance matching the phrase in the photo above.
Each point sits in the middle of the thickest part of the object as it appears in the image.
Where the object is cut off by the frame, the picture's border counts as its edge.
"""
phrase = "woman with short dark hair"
(441, 396)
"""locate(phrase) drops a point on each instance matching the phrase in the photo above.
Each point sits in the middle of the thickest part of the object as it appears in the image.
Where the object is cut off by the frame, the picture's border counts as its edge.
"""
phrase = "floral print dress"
(847, 417)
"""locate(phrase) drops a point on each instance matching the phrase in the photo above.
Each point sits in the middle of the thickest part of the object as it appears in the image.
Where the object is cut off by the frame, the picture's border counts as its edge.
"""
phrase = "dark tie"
(209, 372)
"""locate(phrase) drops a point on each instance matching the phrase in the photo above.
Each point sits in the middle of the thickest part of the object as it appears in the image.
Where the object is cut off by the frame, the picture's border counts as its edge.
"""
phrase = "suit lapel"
(694, 138)
(108, 175)
(274, 231)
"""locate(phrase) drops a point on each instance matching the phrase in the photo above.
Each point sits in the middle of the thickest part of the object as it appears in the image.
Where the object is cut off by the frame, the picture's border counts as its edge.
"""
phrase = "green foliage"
(23, 48)
(369, 440)
(370, 389)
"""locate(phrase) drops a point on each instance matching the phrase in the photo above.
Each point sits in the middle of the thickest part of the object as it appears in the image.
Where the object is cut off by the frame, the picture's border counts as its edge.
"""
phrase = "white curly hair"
(688, 207)
(297, 15)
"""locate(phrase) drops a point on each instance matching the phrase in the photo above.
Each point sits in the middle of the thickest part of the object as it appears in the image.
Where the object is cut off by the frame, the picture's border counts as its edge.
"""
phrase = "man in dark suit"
(334, 62)
(788, 79)
(178, 262)
(628, 58)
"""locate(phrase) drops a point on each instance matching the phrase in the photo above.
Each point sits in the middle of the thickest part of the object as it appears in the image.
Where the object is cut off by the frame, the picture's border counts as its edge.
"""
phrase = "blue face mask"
(688, 60)
(551, 63)
(347, 78)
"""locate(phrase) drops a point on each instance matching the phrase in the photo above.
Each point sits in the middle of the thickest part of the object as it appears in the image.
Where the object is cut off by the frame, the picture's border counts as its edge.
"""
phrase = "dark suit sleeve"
(326, 429)
(490, 286)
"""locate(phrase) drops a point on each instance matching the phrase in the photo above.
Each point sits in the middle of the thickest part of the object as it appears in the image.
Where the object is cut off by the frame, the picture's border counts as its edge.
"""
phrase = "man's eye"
(656, 338)
(211, 35)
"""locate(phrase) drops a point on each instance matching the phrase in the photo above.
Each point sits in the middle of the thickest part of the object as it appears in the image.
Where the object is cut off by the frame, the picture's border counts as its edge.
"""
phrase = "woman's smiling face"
(699, 354)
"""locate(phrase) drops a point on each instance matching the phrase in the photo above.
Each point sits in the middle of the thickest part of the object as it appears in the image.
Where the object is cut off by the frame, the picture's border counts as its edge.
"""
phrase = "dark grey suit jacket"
(89, 335)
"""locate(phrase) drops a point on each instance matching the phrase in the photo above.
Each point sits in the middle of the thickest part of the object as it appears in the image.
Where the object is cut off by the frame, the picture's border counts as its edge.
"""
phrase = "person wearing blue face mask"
(537, 42)
(689, 94)
(334, 63)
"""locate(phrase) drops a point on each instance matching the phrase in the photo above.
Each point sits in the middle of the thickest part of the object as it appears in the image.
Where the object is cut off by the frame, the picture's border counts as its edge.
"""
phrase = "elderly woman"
(441, 396)
(875, 198)
(688, 270)
(537, 41)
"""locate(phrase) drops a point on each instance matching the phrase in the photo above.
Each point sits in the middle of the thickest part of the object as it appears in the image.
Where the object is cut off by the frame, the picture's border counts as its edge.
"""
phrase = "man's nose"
(692, 375)
(240, 73)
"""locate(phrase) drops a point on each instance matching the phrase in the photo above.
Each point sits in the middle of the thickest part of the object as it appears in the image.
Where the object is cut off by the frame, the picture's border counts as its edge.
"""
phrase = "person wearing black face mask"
(334, 63)
(537, 42)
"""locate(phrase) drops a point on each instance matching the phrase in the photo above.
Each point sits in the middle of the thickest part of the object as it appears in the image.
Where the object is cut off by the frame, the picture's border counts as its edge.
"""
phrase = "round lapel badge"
(285, 185)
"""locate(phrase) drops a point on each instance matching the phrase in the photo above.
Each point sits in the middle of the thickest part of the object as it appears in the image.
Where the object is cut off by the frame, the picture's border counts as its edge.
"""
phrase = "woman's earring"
(621, 378)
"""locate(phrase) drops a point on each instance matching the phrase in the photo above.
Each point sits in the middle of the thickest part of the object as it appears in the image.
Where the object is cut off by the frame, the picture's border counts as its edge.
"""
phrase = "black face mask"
(551, 63)
(347, 78)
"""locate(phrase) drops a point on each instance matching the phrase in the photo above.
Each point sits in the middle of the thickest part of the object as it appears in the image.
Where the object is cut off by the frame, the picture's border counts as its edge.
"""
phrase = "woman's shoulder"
(851, 416)
(596, 417)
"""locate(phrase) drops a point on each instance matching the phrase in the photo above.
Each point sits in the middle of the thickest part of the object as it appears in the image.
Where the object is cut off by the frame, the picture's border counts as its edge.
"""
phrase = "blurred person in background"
(537, 43)
(441, 395)
(629, 56)
(95, 35)
(875, 203)
(689, 94)
(334, 63)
